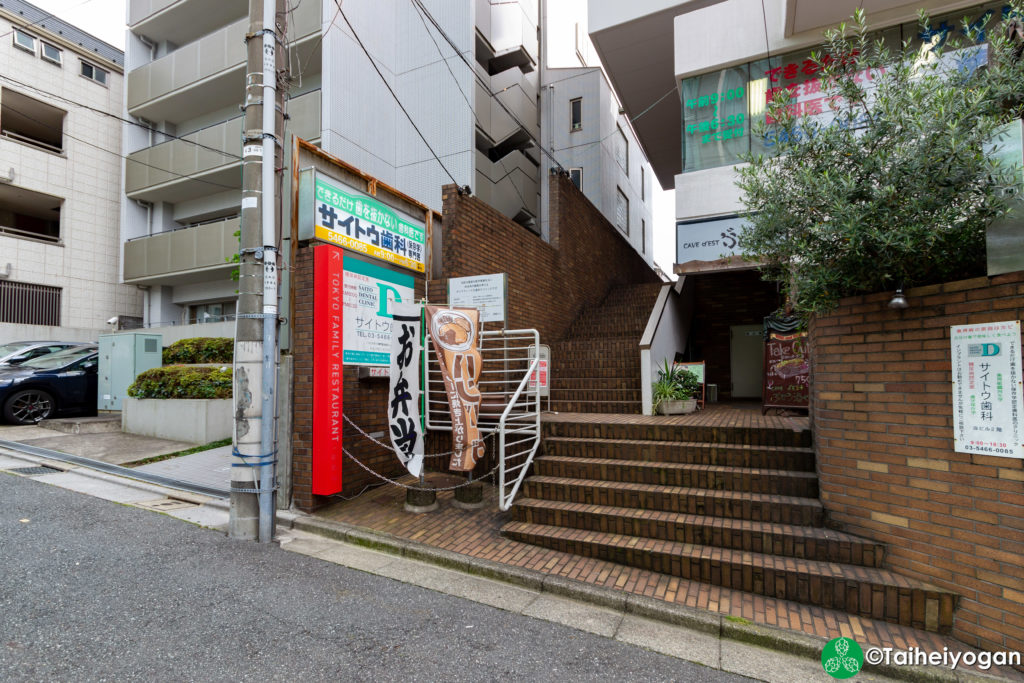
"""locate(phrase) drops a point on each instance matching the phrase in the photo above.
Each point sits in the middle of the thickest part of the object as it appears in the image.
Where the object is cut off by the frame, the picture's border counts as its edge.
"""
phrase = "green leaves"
(182, 381)
(200, 350)
(899, 190)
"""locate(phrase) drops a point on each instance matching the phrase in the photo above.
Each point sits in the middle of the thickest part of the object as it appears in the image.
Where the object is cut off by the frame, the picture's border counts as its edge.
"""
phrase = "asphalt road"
(93, 590)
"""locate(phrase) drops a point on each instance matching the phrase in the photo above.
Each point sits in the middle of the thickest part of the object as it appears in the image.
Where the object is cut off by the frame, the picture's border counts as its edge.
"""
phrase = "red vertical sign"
(328, 384)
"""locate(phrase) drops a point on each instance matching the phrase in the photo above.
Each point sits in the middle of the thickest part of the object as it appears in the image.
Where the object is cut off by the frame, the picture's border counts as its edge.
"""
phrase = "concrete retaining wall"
(199, 420)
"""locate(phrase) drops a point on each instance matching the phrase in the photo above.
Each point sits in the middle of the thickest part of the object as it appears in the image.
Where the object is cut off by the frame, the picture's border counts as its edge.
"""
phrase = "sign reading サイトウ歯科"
(343, 216)
(988, 396)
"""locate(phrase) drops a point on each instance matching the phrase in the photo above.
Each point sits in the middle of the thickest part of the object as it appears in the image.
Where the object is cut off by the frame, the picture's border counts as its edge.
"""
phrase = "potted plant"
(673, 393)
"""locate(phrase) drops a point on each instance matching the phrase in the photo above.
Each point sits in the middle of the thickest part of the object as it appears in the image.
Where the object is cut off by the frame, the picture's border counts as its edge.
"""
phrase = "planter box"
(677, 407)
(196, 420)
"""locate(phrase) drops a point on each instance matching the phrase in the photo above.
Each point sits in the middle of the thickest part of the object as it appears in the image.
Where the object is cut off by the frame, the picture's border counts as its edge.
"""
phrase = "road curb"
(726, 627)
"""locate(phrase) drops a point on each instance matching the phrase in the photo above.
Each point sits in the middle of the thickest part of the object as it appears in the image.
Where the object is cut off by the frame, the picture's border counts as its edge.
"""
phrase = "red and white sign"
(540, 377)
(328, 377)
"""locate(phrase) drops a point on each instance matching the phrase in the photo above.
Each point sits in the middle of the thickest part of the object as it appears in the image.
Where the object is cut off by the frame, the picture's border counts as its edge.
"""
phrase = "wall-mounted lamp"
(898, 300)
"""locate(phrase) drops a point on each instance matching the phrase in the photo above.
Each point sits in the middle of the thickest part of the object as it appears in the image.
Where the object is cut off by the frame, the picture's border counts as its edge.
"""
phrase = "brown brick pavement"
(475, 533)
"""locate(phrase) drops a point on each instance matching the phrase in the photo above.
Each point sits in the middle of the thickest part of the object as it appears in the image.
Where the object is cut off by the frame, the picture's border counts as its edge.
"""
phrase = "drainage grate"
(29, 471)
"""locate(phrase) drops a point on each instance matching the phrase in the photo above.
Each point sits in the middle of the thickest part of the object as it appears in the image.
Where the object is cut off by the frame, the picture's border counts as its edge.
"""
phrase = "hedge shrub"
(200, 350)
(182, 381)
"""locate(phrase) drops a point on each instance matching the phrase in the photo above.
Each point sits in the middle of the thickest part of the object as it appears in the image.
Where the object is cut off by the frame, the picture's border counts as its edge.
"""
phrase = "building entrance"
(746, 360)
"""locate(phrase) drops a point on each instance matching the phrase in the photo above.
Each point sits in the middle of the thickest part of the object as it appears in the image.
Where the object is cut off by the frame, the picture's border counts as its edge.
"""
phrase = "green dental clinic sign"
(369, 291)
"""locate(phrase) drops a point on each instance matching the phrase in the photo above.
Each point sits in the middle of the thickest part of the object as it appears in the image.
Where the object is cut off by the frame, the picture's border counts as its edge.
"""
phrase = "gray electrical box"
(122, 357)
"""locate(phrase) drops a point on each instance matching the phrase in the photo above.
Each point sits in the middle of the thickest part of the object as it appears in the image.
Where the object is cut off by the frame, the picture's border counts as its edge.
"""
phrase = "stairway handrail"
(505, 502)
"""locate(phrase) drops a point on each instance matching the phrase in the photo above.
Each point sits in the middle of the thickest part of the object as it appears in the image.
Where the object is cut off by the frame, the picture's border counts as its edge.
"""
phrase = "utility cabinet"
(122, 357)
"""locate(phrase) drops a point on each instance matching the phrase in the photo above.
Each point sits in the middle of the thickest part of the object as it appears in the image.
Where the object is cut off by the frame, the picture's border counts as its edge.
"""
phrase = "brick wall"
(548, 284)
(364, 402)
(882, 411)
(722, 300)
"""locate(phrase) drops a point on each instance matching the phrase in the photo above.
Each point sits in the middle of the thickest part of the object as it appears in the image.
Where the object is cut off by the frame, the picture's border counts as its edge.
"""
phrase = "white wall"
(87, 175)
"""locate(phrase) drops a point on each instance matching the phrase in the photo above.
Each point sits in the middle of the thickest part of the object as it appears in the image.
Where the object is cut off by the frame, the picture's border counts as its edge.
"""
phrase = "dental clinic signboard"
(348, 218)
(988, 396)
(370, 292)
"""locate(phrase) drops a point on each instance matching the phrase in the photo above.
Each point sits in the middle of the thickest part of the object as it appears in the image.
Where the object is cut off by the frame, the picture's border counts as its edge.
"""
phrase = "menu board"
(787, 371)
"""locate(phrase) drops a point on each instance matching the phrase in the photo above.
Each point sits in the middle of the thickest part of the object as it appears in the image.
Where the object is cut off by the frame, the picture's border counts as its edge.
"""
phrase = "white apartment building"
(60, 181)
(586, 128)
(466, 72)
(736, 50)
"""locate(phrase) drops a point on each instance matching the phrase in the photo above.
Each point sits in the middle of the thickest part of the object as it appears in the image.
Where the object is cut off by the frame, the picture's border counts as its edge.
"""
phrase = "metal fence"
(509, 409)
(27, 304)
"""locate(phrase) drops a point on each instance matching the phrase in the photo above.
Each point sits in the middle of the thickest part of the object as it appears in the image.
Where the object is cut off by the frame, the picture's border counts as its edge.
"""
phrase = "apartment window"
(94, 73)
(622, 211)
(622, 150)
(24, 40)
(643, 184)
(576, 114)
(643, 236)
(34, 215)
(214, 312)
(51, 53)
(22, 303)
(30, 121)
(576, 176)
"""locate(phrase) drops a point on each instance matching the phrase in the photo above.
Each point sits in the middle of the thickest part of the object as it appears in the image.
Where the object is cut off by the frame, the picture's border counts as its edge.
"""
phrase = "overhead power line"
(485, 85)
(390, 90)
(122, 119)
(122, 156)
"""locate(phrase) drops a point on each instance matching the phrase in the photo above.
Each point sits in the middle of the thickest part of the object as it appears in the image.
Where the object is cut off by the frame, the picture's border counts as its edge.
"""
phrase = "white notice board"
(486, 293)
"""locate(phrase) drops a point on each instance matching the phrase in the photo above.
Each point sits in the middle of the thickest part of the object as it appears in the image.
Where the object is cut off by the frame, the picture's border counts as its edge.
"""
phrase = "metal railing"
(509, 407)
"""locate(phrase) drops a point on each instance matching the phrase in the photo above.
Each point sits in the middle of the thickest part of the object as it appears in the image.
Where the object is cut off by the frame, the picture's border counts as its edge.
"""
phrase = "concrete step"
(756, 507)
(663, 430)
(96, 424)
(865, 591)
(805, 542)
(699, 476)
(693, 452)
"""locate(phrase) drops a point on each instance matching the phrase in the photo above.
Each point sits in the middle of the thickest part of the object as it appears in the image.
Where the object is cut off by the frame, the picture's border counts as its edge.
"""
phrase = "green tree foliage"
(899, 188)
(182, 381)
(200, 350)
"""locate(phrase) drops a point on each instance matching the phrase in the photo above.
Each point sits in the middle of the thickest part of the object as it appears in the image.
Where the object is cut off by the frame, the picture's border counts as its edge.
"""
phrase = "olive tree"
(899, 187)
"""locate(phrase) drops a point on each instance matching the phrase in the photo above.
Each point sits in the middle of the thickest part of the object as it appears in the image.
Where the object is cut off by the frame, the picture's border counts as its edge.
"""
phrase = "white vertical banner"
(404, 398)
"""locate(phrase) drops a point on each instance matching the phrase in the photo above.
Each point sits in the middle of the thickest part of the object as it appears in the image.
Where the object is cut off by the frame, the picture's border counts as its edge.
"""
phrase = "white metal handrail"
(507, 367)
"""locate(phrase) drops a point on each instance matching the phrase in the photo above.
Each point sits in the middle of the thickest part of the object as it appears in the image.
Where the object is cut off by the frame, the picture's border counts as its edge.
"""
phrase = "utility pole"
(255, 373)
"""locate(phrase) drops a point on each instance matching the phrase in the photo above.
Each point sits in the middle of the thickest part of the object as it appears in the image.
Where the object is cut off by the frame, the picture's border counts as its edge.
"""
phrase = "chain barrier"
(418, 488)
(391, 448)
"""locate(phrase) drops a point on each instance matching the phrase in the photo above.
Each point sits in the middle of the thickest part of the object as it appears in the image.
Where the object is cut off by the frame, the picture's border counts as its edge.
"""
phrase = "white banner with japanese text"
(988, 396)
(404, 397)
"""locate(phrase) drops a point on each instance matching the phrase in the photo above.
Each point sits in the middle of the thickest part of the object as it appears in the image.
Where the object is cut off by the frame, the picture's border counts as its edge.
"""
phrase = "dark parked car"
(60, 383)
(16, 353)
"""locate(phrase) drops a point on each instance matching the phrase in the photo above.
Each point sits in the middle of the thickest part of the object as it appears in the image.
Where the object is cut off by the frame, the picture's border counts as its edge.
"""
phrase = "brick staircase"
(730, 506)
(596, 367)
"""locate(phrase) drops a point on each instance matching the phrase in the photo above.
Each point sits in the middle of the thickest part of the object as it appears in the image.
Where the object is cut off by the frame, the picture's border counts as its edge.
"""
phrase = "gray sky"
(105, 19)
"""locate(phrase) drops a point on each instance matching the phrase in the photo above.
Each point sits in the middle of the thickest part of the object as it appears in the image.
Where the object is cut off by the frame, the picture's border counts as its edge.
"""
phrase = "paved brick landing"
(476, 533)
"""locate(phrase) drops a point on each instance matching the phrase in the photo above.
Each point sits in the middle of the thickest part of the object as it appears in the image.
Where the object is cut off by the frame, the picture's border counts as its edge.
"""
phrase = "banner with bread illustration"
(454, 332)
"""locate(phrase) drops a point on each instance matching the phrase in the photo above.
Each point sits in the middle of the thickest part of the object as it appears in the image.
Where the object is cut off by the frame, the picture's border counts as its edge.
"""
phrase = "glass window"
(622, 150)
(643, 236)
(94, 73)
(576, 176)
(576, 114)
(214, 312)
(24, 41)
(622, 211)
(643, 184)
(51, 53)
(716, 126)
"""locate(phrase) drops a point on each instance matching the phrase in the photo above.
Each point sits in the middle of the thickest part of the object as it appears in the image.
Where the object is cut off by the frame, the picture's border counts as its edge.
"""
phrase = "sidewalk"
(470, 540)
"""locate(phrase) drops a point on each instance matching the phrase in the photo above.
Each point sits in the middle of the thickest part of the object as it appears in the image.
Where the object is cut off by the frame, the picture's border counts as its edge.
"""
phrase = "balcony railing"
(203, 247)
